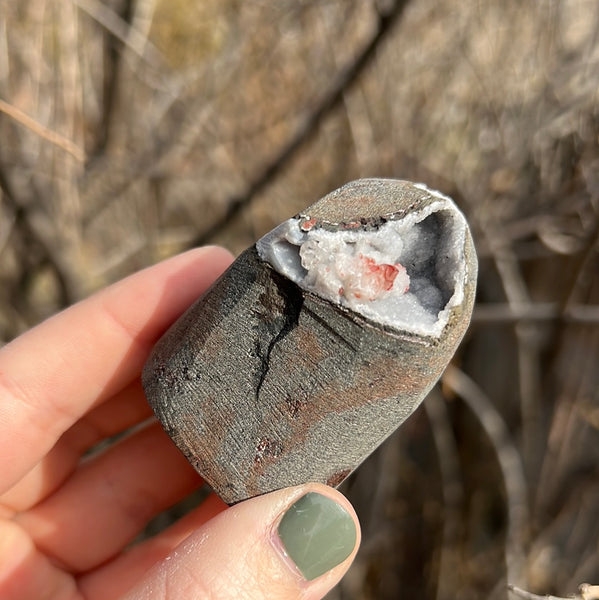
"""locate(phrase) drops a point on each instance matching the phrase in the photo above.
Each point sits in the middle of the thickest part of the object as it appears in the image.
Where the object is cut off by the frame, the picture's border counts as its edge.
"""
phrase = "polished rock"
(278, 375)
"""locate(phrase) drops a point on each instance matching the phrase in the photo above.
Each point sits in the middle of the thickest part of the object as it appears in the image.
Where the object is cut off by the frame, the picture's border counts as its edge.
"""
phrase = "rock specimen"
(319, 340)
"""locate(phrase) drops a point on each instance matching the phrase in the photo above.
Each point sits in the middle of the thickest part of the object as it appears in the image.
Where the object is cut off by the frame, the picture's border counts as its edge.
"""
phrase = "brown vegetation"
(132, 129)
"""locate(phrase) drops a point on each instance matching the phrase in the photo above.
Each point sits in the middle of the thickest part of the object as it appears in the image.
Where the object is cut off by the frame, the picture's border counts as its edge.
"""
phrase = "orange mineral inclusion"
(376, 278)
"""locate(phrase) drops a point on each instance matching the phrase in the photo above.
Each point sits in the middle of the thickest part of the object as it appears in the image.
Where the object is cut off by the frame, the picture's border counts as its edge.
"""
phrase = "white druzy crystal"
(351, 268)
(405, 274)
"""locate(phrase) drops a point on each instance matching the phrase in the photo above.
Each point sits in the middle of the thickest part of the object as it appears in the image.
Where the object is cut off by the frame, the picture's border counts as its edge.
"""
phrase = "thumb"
(293, 543)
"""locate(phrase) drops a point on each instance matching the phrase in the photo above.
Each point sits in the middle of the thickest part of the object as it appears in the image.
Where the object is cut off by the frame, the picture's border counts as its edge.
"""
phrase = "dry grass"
(130, 130)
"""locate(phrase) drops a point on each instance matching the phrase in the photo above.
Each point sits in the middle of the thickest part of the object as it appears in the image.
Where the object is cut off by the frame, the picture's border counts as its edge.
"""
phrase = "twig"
(530, 596)
(500, 313)
(330, 100)
(23, 222)
(141, 23)
(4, 240)
(589, 592)
(578, 277)
(586, 591)
(516, 489)
(449, 467)
(529, 378)
(131, 37)
(355, 105)
(47, 134)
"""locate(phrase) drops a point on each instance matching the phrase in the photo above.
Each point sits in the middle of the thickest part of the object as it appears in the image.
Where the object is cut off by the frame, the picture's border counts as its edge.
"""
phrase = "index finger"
(53, 374)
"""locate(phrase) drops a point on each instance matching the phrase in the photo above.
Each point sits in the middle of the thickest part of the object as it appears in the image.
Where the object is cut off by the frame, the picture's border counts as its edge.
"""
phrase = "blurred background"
(131, 130)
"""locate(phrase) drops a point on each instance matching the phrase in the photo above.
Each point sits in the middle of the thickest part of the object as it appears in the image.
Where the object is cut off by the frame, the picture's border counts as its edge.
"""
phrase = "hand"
(67, 518)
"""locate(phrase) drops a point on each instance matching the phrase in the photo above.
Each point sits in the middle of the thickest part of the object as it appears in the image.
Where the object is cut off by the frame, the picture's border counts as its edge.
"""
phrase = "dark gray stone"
(264, 385)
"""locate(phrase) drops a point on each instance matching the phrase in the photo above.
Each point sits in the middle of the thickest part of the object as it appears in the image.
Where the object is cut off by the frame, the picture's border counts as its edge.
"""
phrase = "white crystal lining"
(406, 274)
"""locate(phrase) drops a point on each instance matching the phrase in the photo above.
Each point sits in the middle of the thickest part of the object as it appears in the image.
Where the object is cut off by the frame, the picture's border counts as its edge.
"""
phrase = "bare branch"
(516, 488)
(47, 134)
(330, 100)
(501, 313)
(452, 488)
(23, 221)
(137, 41)
(5, 238)
(529, 379)
(589, 592)
(530, 596)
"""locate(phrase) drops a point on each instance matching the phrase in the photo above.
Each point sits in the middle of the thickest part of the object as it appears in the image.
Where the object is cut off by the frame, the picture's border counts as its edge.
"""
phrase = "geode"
(318, 341)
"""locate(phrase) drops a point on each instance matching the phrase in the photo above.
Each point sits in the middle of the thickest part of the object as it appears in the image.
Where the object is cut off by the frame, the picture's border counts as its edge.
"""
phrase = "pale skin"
(67, 522)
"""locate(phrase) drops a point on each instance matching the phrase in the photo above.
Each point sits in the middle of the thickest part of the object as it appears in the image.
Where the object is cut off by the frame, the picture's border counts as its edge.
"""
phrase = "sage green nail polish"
(317, 534)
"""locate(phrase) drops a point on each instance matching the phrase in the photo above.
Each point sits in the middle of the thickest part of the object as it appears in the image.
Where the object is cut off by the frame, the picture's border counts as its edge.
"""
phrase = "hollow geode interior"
(405, 272)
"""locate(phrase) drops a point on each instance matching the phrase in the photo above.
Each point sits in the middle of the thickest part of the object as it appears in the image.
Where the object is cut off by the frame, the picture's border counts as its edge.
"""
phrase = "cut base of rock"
(406, 272)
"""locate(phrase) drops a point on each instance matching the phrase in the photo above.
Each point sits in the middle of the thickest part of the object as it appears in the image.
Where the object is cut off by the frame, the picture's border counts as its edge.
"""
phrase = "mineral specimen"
(319, 341)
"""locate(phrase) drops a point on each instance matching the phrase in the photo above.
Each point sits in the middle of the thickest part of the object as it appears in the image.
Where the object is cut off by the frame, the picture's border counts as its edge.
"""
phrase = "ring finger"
(114, 416)
(109, 499)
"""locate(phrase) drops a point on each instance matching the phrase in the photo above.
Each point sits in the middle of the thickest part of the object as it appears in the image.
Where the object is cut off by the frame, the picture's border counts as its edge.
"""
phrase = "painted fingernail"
(317, 534)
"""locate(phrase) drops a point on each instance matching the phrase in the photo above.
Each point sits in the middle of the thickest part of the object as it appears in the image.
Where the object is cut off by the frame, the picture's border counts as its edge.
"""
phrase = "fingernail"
(317, 534)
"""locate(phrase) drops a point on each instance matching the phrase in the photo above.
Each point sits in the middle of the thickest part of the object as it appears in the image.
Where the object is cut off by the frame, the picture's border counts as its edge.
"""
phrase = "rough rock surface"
(265, 383)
